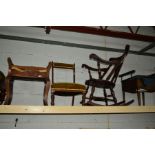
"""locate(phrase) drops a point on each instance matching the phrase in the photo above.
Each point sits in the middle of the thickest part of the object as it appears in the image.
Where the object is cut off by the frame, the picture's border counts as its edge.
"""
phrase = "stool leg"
(52, 98)
(45, 94)
(138, 96)
(73, 100)
(9, 91)
(143, 97)
(124, 96)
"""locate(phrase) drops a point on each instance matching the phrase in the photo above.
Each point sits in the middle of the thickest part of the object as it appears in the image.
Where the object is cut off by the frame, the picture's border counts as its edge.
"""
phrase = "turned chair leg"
(2, 96)
(124, 96)
(113, 95)
(105, 96)
(9, 91)
(45, 94)
(84, 96)
(52, 99)
(73, 100)
(143, 98)
(91, 95)
(139, 99)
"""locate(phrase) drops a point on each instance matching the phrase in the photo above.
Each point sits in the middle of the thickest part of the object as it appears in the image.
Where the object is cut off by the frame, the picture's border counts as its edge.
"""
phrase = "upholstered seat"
(67, 89)
(146, 82)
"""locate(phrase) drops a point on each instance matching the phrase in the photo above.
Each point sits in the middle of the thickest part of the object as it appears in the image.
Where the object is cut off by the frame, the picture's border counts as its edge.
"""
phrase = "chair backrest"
(31, 72)
(112, 71)
(63, 66)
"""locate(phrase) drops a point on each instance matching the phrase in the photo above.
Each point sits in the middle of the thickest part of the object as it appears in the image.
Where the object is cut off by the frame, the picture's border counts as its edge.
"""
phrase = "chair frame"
(108, 83)
(27, 73)
(57, 65)
(63, 66)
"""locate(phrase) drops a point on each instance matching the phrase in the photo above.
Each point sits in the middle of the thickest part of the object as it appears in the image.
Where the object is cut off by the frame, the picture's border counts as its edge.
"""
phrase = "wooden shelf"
(49, 110)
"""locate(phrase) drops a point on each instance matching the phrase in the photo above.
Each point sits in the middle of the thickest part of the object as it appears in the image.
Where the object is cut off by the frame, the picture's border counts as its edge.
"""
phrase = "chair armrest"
(92, 69)
(127, 73)
(89, 68)
(10, 63)
(98, 59)
(49, 66)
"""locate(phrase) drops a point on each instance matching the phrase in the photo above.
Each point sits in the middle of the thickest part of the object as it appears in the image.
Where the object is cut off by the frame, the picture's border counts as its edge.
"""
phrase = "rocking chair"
(106, 80)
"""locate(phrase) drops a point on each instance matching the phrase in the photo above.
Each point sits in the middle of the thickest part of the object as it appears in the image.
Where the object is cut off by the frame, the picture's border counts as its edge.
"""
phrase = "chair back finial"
(117, 67)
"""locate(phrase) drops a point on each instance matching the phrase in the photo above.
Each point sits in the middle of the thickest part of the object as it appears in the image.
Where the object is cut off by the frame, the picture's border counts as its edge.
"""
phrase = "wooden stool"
(27, 73)
(138, 84)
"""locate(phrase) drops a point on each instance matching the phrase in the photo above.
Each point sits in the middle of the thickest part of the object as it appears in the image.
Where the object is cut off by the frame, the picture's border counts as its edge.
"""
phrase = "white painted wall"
(37, 54)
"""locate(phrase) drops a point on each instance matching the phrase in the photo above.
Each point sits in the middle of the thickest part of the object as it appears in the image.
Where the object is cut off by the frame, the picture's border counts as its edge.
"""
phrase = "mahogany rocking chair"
(106, 80)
